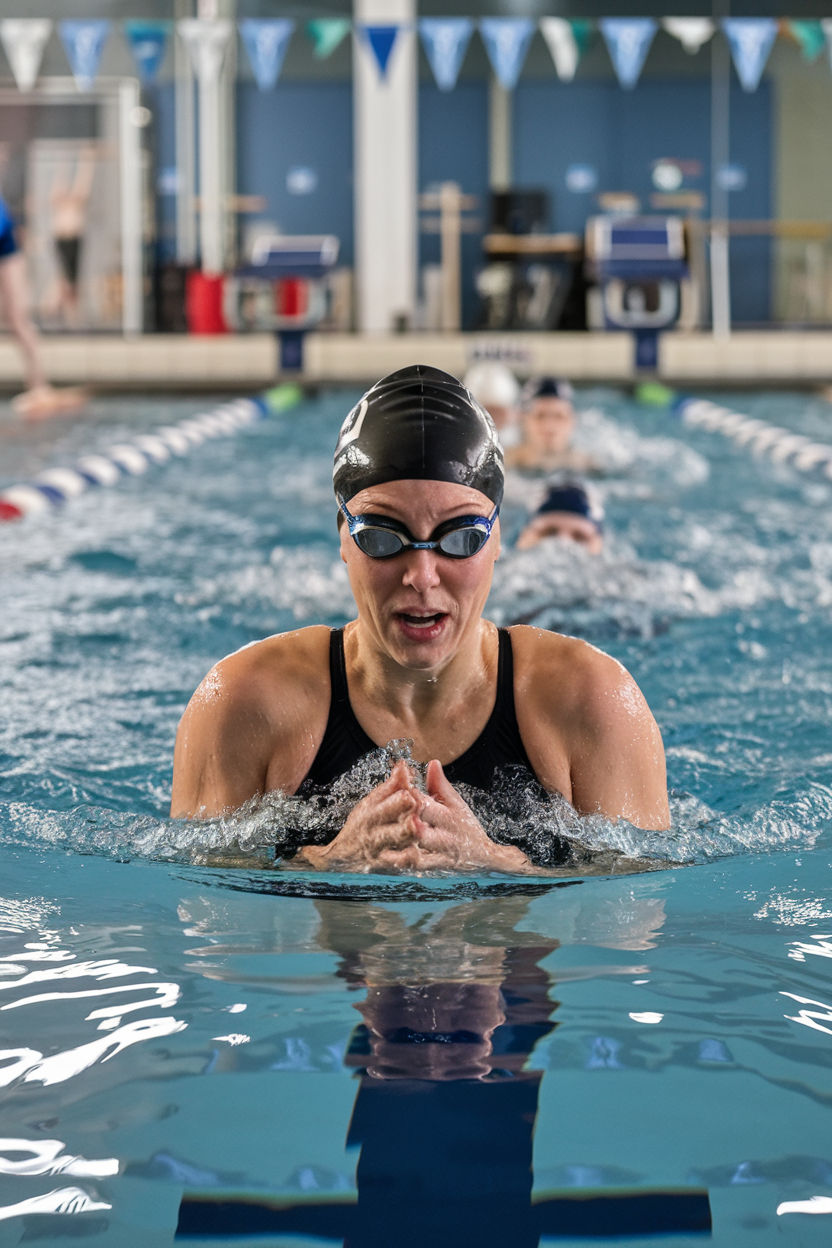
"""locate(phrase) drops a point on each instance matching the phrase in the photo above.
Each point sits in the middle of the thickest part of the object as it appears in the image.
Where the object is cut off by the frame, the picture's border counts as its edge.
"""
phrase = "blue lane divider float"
(55, 486)
(780, 445)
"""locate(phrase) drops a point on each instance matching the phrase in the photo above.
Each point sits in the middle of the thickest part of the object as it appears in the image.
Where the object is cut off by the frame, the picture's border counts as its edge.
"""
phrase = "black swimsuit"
(345, 741)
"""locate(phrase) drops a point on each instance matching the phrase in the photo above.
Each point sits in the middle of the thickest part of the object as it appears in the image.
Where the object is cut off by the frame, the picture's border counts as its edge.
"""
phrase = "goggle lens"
(378, 543)
(463, 543)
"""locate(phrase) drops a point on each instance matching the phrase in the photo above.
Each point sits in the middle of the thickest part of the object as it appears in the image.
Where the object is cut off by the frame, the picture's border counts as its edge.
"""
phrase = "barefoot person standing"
(39, 398)
(418, 476)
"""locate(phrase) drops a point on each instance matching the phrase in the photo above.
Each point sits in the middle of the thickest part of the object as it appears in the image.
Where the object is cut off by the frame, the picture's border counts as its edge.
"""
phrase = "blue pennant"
(628, 40)
(381, 40)
(83, 43)
(751, 40)
(507, 41)
(147, 43)
(266, 41)
(445, 40)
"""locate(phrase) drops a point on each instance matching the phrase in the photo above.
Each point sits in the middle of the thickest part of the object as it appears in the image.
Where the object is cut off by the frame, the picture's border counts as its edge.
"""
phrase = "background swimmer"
(495, 388)
(567, 512)
(548, 423)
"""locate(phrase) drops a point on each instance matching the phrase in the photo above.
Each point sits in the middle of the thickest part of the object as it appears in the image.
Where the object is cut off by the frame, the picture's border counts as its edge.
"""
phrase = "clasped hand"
(397, 827)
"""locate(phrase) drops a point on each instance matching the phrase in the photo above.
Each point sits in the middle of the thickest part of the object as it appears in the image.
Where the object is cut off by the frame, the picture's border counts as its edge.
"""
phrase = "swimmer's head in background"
(572, 497)
(492, 384)
(547, 388)
(418, 424)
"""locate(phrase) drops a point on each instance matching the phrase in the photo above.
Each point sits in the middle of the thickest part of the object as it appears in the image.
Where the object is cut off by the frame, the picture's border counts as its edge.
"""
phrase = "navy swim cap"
(570, 496)
(418, 424)
(548, 388)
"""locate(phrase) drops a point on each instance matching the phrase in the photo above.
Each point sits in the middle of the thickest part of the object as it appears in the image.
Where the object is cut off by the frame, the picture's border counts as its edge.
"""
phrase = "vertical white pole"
(499, 135)
(210, 175)
(450, 227)
(384, 119)
(185, 122)
(130, 189)
(720, 152)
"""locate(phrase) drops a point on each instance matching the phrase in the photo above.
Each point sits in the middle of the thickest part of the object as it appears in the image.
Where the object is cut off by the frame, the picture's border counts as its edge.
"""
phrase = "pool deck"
(251, 361)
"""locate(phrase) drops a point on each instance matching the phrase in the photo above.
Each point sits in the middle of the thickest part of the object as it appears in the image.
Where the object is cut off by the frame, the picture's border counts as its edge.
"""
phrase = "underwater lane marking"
(54, 486)
(809, 1017)
(815, 1204)
(780, 445)
(62, 1200)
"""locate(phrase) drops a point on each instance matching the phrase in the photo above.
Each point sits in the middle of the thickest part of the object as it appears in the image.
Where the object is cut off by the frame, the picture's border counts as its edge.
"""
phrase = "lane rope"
(781, 446)
(53, 487)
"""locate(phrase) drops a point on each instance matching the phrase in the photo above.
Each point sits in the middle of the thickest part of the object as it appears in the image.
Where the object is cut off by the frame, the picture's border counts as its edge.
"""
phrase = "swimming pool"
(199, 1045)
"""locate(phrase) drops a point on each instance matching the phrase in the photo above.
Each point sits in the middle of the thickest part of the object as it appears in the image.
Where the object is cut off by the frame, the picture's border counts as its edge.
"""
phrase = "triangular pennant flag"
(83, 43)
(751, 40)
(562, 43)
(507, 41)
(583, 30)
(266, 41)
(692, 32)
(24, 39)
(328, 33)
(207, 43)
(826, 26)
(147, 43)
(380, 40)
(809, 35)
(628, 41)
(445, 40)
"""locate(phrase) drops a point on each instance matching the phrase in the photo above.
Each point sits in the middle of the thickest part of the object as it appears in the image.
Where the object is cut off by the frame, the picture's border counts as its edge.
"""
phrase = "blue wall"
(556, 125)
(306, 125)
(621, 133)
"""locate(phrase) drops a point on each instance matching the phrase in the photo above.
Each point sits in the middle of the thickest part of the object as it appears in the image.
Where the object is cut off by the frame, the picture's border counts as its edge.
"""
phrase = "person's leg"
(14, 292)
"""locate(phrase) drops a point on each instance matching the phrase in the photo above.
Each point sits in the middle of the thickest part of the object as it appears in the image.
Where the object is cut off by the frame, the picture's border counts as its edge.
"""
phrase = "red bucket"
(204, 304)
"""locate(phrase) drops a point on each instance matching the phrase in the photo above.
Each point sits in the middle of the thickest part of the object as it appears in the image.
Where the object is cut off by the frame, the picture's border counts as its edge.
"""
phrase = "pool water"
(193, 1039)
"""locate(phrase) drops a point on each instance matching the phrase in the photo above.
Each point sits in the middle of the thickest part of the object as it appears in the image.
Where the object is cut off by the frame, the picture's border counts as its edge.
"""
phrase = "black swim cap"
(418, 424)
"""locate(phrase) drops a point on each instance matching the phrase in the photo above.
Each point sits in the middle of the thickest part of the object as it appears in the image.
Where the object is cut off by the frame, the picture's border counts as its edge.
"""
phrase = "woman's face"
(420, 606)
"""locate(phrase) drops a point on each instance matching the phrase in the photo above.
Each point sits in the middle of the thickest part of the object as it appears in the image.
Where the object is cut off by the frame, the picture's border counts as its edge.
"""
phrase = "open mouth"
(418, 626)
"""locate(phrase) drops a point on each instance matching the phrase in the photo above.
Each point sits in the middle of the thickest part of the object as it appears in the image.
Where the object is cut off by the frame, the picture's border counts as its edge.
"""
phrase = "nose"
(421, 570)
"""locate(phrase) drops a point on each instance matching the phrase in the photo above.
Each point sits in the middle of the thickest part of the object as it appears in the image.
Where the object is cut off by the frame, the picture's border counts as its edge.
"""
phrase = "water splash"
(267, 831)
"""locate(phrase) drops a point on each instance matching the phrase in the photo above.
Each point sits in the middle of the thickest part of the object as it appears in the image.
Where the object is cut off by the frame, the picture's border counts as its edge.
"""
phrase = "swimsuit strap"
(500, 743)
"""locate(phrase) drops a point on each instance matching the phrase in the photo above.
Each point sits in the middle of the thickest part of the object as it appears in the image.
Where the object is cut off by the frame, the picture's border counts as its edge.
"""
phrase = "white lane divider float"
(780, 445)
(55, 486)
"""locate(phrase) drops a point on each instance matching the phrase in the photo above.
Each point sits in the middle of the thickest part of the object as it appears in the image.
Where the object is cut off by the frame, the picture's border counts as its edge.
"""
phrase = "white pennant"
(24, 39)
(563, 45)
(826, 23)
(692, 32)
(207, 43)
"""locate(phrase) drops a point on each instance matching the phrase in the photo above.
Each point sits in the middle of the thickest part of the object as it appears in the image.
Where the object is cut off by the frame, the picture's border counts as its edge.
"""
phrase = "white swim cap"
(492, 384)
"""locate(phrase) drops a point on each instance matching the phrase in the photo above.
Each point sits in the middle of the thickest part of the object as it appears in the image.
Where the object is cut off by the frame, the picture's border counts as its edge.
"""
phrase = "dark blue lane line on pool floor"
(488, 1222)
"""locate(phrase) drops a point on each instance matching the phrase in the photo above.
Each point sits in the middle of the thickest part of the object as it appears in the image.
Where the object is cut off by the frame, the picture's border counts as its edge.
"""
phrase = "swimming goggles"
(381, 538)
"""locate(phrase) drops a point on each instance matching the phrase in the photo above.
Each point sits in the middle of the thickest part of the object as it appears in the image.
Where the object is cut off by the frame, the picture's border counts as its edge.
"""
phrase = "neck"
(414, 693)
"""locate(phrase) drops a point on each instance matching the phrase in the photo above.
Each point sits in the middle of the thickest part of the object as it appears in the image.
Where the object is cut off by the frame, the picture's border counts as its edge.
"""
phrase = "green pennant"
(809, 35)
(327, 33)
(583, 31)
